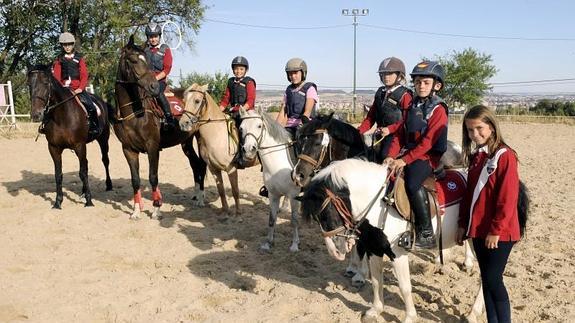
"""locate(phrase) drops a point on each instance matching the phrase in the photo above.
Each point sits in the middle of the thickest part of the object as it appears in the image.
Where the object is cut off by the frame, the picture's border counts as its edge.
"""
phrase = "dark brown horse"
(138, 127)
(66, 126)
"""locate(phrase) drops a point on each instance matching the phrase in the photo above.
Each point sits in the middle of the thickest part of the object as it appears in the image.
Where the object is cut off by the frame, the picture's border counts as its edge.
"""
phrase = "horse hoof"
(368, 318)
(109, 188)
(357, 282)
(89, 204)
(349, 273)
(294, 248)
(57, 207)
(266, 247)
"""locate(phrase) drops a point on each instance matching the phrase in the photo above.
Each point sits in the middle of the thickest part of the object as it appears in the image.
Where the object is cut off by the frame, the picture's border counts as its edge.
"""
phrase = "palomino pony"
(218, 138)
(326, 139)
(264, 137)
(138, 127)
(345, 198)
(67, 127)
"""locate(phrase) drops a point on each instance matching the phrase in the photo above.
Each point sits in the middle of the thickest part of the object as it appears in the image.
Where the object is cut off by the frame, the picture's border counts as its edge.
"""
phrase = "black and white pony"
(345, 198)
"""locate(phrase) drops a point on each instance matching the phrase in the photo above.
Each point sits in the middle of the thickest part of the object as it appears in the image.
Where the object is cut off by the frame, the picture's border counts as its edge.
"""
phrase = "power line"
(275, 27)
(465, 36)
(413, 31)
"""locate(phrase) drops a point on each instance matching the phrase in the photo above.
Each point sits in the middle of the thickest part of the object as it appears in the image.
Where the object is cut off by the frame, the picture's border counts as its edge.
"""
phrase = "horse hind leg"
(357, 268)
(274, 207)
(294, 205)
(56, 153)
(104, 149)
(81, 153)
(199, 168)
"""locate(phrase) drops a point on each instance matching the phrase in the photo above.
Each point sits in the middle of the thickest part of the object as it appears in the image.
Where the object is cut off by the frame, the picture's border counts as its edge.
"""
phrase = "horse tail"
(523, 207)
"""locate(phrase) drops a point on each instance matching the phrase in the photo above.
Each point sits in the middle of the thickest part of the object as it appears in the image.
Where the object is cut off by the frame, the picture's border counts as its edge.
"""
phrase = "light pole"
(355, 13)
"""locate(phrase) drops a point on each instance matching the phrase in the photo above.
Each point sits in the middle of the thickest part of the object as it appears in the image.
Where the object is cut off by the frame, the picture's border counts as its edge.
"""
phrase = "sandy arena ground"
(95, 265)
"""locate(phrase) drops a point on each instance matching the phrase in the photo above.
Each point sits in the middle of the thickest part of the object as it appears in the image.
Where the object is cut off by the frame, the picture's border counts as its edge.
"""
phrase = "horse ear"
(131, 41)
(243, 111)
(204, 88)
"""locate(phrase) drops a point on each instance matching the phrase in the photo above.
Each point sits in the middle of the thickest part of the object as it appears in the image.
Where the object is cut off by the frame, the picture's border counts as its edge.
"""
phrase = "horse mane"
(341, 131)
(47, 70)
(275, 130)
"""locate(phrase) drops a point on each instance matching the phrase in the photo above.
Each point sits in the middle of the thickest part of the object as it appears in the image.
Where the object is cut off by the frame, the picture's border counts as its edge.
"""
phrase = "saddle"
(442, 191)
(176, 106)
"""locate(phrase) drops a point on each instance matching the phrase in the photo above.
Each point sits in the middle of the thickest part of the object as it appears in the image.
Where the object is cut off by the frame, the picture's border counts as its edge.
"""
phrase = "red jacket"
(250, 100)
(80, 83)
(489, 205)
(436, 124)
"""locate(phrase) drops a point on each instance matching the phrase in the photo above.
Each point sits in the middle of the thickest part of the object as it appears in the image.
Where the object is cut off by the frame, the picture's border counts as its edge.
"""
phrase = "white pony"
(360, 186)
(264, 137)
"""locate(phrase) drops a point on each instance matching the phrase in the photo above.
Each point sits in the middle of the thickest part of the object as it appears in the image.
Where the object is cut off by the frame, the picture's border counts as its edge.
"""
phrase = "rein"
(350, 228)
(259, 138)
(317, 163)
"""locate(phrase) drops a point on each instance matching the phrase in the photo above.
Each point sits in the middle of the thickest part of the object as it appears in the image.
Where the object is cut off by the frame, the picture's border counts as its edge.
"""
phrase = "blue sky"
(329, 52)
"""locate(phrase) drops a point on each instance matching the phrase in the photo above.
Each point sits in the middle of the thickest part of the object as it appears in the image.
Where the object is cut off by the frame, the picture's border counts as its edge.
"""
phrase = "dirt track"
(94, 265)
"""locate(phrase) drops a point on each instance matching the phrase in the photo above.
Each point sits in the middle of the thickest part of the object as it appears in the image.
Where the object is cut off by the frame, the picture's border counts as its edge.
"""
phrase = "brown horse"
(66, 126)
(137, 126)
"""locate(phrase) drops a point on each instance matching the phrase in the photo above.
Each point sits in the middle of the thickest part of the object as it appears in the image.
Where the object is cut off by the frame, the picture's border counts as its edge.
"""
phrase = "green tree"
(467, 75)
(216, 83)
(30, 30)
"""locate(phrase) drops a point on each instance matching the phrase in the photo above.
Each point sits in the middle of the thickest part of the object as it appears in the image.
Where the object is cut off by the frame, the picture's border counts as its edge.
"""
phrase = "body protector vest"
(388, 110)
(156, 60)
(238, 92)
(416, 123)
(295, 100)
(70, 67)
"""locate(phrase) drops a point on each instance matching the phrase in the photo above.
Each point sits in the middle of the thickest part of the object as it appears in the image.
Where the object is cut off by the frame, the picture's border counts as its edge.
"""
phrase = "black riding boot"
(93, 127)
(424, 237)
(165, 105)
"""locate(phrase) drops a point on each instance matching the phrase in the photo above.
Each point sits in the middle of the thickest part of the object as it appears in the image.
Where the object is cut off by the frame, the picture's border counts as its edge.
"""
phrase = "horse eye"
(259, 126)
(197, 101)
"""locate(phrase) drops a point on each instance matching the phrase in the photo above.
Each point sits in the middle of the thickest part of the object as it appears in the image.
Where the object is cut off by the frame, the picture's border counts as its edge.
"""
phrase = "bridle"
(325, 145)
(203, 106)
(140, 99)
(260, 138)
(350, 228)
(47, 108)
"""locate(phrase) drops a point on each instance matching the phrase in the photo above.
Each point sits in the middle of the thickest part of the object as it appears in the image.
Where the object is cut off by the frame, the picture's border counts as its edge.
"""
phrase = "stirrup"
(264, 191)
(406, 240)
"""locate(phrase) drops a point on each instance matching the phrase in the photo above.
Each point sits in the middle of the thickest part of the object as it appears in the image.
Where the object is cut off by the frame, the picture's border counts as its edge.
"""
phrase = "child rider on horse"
(389, 105)
(425, 139)
(71, 71)
(160, 59)
(240, 93)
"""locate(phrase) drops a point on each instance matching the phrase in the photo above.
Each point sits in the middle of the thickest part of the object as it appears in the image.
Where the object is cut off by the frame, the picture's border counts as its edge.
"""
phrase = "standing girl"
(489, 210)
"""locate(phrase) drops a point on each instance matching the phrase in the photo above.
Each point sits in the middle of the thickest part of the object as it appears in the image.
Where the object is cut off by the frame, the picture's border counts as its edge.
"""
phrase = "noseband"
(348, 229)
(325, 144)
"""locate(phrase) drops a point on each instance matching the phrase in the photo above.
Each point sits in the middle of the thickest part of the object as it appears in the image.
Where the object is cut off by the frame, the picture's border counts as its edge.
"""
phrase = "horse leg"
(80, 151)
(469, 256)
(294, 205)
(104, 148)
(134, 163)
(199, 168)
(220, 185)
(376, 270)
(477, 308)
(233, 178)
(401, 270)
(153, 160)
(56, 153)
(356, 269)
(274, 207)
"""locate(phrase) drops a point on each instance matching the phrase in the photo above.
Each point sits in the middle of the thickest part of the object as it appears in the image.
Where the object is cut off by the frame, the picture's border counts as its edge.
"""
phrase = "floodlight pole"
(354, 13)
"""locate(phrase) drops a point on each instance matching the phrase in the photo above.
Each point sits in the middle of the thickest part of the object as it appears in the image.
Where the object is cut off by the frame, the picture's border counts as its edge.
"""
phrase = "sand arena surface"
(94, 265)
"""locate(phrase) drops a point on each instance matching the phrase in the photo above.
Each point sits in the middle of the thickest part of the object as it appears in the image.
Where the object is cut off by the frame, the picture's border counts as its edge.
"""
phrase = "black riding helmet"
(430, 69)
(240, 60)
(153, 29)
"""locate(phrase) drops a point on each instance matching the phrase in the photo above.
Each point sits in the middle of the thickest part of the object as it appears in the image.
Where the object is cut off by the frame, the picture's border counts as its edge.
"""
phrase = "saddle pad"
(176, 105)
(451, 188)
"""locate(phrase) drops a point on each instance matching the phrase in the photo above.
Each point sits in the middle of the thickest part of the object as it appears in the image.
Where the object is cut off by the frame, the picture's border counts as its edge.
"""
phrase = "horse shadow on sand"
(233, 257)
